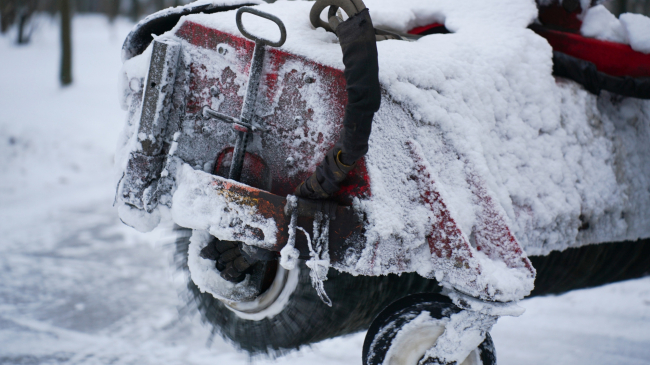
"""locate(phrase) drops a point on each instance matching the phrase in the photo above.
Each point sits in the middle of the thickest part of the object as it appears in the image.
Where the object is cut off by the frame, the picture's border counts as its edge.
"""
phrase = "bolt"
(222, 50)
(135, 84)
(214, 91)
(309, 79)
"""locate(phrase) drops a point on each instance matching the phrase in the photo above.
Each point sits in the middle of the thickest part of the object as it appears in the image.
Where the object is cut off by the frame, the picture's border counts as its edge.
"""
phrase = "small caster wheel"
(403, 332)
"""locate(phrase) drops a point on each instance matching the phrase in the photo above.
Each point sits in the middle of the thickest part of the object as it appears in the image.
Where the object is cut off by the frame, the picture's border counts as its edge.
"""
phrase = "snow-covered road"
(77, 286)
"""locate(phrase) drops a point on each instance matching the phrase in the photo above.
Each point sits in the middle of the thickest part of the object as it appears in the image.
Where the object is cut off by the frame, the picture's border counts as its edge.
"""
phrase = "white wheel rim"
(272, 301)
(416, 337)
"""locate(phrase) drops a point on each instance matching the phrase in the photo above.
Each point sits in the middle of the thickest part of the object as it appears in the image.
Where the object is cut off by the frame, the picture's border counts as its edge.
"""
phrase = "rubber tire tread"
(305, 319)
(590, 266)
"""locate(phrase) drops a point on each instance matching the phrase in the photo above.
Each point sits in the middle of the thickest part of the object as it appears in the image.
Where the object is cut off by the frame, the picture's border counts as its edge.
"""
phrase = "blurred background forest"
(20, 14)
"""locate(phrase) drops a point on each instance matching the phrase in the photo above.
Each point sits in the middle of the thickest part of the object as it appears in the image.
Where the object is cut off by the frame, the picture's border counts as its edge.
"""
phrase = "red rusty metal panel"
(283, 92)
(270, 205)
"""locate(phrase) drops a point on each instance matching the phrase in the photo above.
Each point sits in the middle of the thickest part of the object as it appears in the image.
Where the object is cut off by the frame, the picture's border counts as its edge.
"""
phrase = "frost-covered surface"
(563, 167)
(80, 287)
(629, 28)
(547, 150)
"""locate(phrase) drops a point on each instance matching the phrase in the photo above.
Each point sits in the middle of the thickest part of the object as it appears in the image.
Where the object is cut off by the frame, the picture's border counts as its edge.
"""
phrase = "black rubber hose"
(586, 74)
(357, 38)
(359, 47)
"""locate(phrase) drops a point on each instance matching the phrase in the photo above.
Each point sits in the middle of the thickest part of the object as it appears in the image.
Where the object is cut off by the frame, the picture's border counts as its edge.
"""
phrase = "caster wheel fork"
(433, 329)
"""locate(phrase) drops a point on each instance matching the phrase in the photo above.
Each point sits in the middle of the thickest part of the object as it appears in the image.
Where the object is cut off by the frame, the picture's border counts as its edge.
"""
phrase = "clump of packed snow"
(464, 332)
(600, 23)
(417, 335)
(637, 27)
(207, 278)
(629, 28)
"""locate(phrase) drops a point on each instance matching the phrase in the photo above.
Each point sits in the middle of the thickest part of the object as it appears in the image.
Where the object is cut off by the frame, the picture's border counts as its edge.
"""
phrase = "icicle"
(319, 262)
(289, 253)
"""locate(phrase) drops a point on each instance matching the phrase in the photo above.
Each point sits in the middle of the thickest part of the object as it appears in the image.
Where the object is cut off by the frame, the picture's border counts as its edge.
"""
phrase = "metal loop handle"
(273, 18)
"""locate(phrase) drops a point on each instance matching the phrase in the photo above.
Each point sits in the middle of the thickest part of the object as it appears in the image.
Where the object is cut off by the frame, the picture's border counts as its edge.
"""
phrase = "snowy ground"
(76, 286)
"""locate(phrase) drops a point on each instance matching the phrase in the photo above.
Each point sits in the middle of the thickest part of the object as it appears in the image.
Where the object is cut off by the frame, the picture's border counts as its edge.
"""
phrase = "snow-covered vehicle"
(478, 157)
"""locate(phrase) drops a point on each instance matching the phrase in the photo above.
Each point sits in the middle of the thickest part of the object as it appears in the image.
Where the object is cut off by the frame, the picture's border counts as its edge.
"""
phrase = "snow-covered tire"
(304, 318)
(400, 336)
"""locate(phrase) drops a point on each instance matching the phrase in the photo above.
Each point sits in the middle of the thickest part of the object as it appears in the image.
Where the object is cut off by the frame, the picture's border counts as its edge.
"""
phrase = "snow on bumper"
(234, 211)
(207, 202)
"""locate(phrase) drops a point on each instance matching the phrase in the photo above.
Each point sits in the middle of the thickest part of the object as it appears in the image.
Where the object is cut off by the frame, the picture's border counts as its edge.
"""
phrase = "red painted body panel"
(611, 58)
(614, 59)
(555, 16)
(425, 28)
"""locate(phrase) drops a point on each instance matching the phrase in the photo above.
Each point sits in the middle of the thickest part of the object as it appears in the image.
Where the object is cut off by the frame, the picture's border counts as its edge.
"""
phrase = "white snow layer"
(481, 101)
(199, 205)
(632, 29)
(599, 23)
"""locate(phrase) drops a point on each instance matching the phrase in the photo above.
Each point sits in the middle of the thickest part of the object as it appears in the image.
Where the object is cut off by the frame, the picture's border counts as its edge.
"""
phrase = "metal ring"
(351, 7)
(332, 19)
(273, 18)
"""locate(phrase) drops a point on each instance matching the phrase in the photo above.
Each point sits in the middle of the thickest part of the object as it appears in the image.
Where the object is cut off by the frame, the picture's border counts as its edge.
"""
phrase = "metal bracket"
(245, 120)
(139, 187)
(211, 113)
(466, 329)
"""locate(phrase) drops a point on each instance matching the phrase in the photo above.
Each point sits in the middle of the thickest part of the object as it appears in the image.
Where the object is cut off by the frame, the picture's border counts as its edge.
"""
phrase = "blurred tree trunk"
(22, 20)
(25, 11)
(618, 7)
(135, 10)
(7, 14)
(160, 4)
(177, 3)
(113, 9)
(66, 42)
